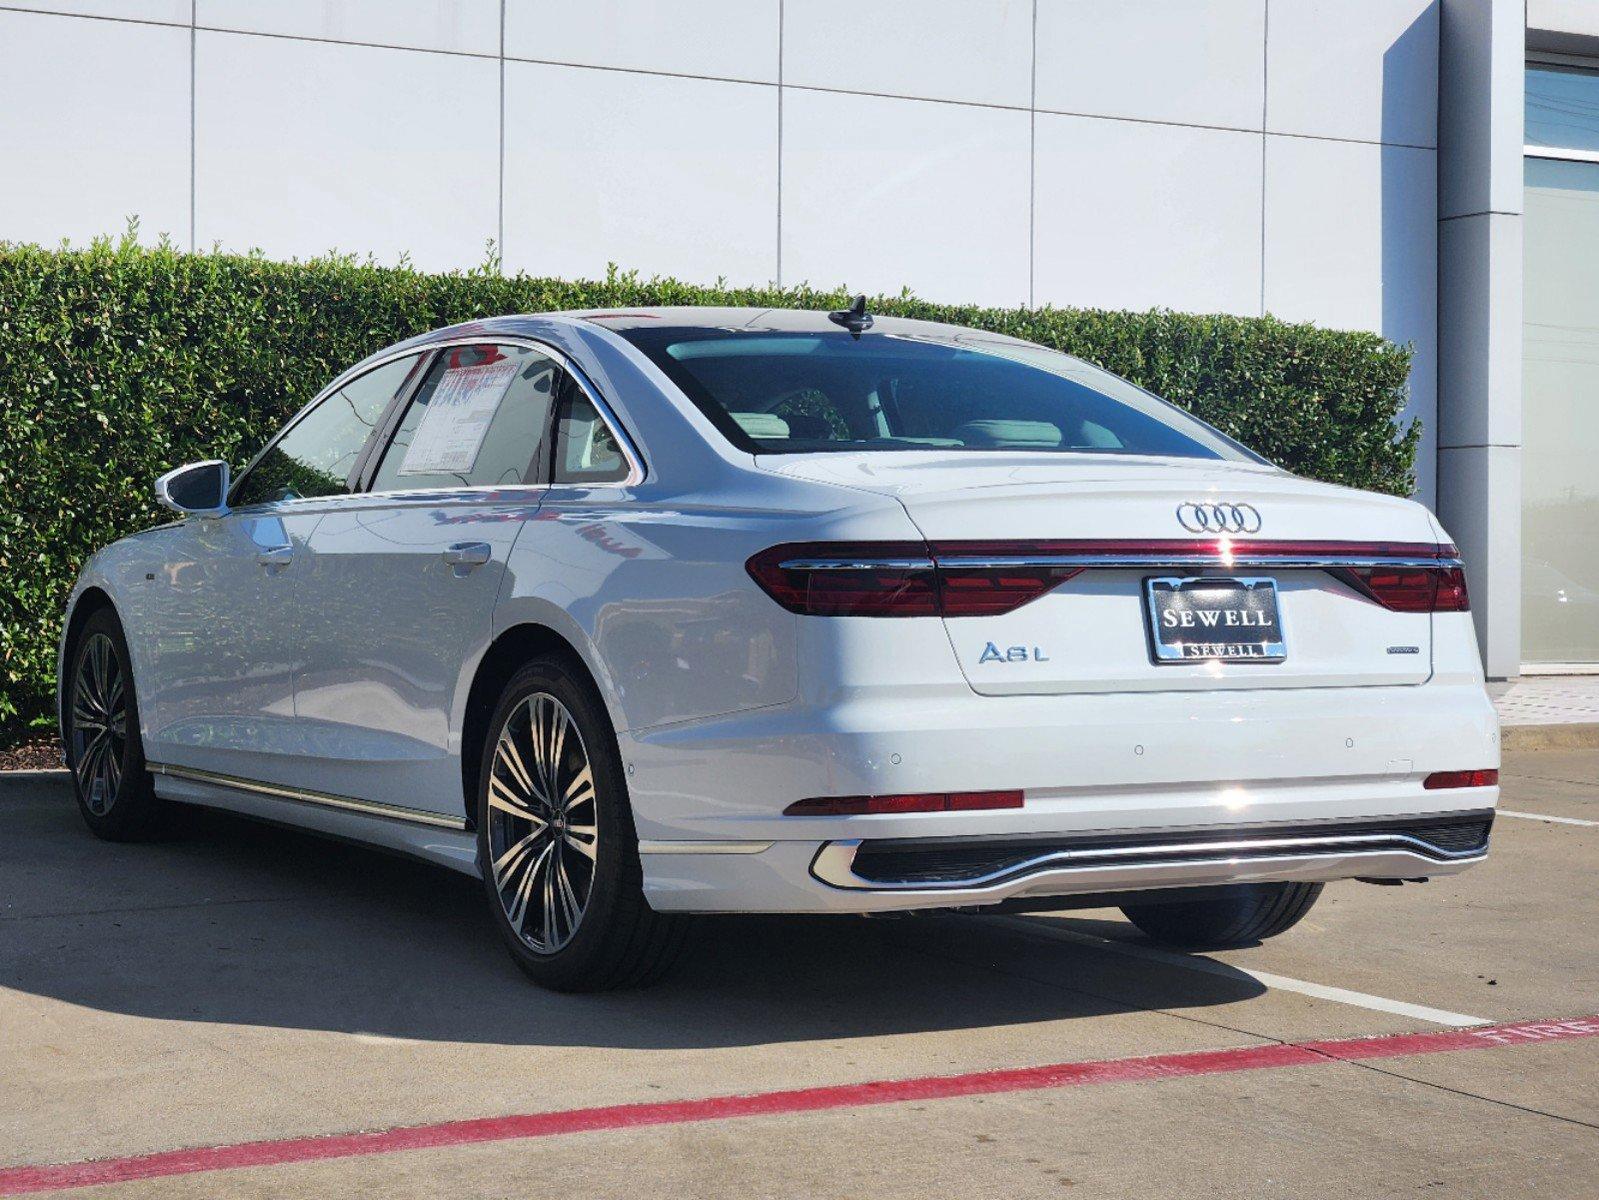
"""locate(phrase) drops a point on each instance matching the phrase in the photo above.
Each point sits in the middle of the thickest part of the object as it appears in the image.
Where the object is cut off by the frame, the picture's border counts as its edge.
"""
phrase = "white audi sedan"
(642, 614)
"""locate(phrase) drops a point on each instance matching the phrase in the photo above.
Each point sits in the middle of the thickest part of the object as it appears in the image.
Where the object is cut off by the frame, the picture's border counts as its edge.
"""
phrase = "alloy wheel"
(543, 832)
(99, 723)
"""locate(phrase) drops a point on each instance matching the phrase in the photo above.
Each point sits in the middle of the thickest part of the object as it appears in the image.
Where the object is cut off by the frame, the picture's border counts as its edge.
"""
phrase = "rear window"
(793, 393)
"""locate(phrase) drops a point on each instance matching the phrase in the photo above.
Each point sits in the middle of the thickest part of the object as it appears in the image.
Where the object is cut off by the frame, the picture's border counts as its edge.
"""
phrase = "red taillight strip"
(918, 802)
(990, 577)
(1488, 777)
(1159, 552)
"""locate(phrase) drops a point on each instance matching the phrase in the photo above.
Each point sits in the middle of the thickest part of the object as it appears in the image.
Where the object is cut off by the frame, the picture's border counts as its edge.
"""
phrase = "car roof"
(774, 320)
(778, 320)
(687, 317)
(622, 320)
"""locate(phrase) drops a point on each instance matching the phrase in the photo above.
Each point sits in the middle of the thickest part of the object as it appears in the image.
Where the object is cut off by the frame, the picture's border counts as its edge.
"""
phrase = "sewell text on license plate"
(1204, 619)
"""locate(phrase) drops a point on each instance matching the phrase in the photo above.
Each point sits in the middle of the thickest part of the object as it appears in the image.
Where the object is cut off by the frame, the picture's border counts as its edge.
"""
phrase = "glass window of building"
(1560, 432)
(1562, 108)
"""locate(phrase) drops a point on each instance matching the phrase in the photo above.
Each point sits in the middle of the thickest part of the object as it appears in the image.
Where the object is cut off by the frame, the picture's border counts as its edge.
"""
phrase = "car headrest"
(761, 425)
(1009, 433)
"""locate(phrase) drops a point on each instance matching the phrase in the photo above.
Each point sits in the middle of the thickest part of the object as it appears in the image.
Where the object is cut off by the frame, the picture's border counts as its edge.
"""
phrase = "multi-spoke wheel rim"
(99, 723)
(543, 823)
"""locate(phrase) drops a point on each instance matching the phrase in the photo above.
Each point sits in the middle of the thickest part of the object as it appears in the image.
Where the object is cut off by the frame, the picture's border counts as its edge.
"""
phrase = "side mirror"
(196, 490)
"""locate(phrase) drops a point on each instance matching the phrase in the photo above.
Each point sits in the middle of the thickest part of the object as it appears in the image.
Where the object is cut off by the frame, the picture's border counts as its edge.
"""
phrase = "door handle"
(275, 557)
(468, 554)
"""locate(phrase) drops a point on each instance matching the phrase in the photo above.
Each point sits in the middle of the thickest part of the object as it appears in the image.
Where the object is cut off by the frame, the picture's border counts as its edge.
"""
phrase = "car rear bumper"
(856, 875)
(1156, 771)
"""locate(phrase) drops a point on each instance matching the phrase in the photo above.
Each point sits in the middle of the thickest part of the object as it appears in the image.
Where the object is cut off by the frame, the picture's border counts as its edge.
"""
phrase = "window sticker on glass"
(458, 415)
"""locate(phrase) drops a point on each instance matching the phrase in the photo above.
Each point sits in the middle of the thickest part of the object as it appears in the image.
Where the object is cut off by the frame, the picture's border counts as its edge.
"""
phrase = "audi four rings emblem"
(1218, 518)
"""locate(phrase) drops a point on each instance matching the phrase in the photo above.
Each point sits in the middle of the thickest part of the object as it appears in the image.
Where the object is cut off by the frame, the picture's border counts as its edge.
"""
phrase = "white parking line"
(1505, 812)
(1282, 983)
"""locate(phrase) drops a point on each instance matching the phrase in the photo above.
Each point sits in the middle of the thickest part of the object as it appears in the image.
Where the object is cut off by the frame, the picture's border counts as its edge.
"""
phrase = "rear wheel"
(556, 840)
(1232, 916)
(101, 726)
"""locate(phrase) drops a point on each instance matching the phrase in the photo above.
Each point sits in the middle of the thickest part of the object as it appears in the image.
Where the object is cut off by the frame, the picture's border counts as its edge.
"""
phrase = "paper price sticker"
(451, 432)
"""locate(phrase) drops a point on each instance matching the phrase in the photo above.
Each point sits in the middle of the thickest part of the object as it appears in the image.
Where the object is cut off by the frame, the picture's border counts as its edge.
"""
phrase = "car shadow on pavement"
(237, 922)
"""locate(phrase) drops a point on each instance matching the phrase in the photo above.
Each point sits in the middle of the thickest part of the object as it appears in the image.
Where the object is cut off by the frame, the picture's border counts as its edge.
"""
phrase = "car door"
(219, 612)
(401, 582)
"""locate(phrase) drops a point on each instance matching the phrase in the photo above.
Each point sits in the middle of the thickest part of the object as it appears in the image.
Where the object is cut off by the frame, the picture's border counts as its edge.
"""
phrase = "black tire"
(616, 940)
(100, 728)
(1232, 916)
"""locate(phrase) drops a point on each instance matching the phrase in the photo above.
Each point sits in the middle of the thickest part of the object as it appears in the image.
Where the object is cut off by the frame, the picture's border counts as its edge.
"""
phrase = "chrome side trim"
(675, 847)
(371, 808)
(1316, 562)
(859, 564)
(970, 563)
(835, 862)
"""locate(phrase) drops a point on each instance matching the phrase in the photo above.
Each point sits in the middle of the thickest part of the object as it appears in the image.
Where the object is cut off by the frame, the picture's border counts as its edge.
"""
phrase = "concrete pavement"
(240, 983)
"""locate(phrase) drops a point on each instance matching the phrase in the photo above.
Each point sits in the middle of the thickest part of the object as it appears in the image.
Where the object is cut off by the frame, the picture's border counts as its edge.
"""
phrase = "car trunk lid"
(1128, 528)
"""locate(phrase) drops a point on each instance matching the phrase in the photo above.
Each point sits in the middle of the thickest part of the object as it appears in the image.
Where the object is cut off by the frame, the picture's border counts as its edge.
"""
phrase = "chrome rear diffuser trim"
(1060, 872)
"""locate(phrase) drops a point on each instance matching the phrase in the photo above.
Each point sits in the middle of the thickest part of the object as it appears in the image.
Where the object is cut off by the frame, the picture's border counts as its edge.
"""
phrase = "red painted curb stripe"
(16, 1181)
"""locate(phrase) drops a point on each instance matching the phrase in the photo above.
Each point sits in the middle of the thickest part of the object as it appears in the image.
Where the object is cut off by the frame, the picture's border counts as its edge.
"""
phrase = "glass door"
(1560, 433)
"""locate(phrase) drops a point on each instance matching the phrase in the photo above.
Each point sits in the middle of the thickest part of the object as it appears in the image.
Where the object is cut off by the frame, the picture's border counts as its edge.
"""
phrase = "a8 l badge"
(1011, 654)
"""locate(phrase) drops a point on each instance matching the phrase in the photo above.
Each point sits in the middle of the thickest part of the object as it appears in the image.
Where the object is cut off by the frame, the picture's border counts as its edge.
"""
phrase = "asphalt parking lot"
(252, 996)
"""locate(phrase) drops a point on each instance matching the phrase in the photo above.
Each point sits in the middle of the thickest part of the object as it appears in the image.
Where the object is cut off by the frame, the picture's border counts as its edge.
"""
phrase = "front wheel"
(100, 725)
(556, 840)
(1230, 916)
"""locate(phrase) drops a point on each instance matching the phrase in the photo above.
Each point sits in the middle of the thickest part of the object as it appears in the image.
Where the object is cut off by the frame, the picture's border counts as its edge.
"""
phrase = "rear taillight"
(850, 579)
(918, 802)
(899, 579)
(986, 579)
(1460, 779)
(989, 578)
(1411, 589)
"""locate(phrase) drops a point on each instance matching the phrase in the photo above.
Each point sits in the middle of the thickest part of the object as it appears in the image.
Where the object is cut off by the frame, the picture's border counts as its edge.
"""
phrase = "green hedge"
(118, 362)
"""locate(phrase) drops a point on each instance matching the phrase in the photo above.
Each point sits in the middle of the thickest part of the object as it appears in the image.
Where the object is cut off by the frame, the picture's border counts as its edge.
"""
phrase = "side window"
(585, 447)
(315, 457)
(477, 421)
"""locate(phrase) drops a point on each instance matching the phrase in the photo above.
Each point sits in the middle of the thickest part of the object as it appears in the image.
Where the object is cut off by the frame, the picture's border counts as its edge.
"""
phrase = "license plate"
(1199, 619)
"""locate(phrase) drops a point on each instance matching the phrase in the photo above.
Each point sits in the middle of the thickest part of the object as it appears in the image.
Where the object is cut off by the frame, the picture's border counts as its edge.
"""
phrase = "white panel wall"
(622, 171)
(171, 12)
(303, 147)
(883, 193)
(978, 52)
(1155, 60)
(1143, 215)
(464, 26)
(1366, 70)
(1215, 155)
(722, 39)
(94, 136)
(1351, 242)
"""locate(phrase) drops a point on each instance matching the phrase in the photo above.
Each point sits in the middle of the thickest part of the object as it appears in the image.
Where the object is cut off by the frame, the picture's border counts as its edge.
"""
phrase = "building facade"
(1356, 163)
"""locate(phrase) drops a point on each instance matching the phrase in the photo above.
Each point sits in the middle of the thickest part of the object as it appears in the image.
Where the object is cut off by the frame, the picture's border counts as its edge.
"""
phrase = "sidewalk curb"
(1573, 736)
(35, 773)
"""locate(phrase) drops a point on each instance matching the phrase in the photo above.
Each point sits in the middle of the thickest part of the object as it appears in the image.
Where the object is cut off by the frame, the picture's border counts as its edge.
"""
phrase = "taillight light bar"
(1410, 588)
(918, 802)
(989, 578)
(1461, 779)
